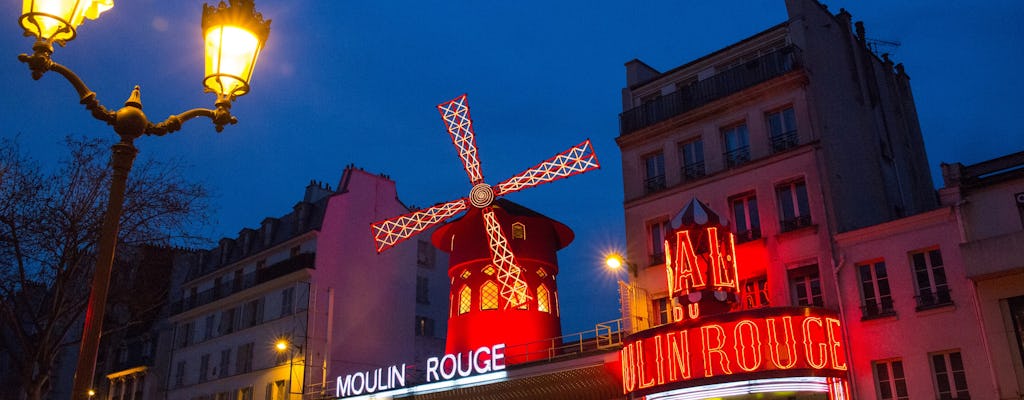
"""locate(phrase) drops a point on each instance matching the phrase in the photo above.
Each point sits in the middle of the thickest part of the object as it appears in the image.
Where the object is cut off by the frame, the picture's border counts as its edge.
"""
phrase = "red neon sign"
(776, 339)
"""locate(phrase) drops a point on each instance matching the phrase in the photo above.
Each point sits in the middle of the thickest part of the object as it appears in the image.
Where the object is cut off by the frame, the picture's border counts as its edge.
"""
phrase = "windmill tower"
(479, 243)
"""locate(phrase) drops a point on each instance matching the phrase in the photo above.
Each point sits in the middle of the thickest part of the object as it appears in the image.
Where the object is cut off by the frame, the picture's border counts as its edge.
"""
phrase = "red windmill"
(455, 113)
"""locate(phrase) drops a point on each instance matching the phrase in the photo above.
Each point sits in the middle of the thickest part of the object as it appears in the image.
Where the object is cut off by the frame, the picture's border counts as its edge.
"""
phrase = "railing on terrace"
(605, 336)
(295, 263)
(702, 92)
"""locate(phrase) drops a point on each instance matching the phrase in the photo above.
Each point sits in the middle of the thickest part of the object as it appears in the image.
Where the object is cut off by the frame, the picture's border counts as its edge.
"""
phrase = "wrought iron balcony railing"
(737, 157)
(748, 235)
(299, 261)
(784, 141)
(877, 309)
(927, 298)
(693, 171)
(795, 223)
(654, 184)
(697, 94)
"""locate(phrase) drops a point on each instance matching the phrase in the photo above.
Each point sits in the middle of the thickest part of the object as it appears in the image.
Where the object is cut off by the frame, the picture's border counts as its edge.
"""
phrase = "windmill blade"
(455, 114)
(390, 232)
(576, 160)
(513, 288)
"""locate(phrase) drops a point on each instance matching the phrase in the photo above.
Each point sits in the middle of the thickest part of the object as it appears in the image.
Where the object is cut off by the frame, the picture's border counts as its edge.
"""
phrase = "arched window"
(465, 297)
(489, 296)
(543, 299)
(519, 230)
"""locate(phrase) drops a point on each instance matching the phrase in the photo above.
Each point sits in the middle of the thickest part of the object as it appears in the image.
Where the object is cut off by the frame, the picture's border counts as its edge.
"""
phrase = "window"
(744, 212)
(755, 293)
(543, 299)
(654, 172)
(225, 362)
(237, 281)
(874, 290)
(424, 326)
(227, 321)
(422, 290)
(275, 390)
(243, 359)
(691, 157)
(424, 254)
(245, 393)
(1016, 308)
(950, 380)
(185, 334)
(794, 212)
(805, 286)
(489, 296)
(252, 313)
(179, 374)
(465, 299)
(656, 241)
(930, 279)
(737, 145)
(663, 307)
(204, 368)
(294, 251)
(519, 230)
(890, 383)
(782, 129)
(218, 287)
(287, 301)
(208, 327)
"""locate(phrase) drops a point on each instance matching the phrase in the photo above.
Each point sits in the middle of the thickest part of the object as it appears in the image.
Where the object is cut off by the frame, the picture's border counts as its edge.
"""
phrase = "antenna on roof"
(879, 46)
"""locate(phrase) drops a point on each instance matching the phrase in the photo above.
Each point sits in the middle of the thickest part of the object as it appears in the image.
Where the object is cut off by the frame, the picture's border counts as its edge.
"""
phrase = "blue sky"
(345, 82)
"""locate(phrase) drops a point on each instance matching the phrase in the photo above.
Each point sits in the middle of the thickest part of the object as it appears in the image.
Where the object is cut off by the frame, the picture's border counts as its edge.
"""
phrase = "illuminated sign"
(770, 339)
(461, 365)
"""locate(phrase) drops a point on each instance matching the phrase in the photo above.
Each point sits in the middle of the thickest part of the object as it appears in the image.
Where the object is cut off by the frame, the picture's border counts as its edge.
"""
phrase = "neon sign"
(777, 339)
(461, 365)
(700, 264)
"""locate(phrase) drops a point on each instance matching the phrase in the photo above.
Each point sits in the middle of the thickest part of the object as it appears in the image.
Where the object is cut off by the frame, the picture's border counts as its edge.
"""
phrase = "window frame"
(654, 181)
(802, 276)
(755, 293)
(935, 295)
(751, 217)
(950, 373)
(656, 246)
(787, 136)
(692, 169)
(892, 382)
(879, 305)
(801, 211)
(736, 142)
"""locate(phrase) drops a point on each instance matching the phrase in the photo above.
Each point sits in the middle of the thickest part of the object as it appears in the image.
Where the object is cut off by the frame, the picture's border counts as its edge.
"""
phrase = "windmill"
(455, 113)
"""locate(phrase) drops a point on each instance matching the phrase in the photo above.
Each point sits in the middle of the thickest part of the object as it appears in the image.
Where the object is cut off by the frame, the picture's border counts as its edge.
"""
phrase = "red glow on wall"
(777, 339)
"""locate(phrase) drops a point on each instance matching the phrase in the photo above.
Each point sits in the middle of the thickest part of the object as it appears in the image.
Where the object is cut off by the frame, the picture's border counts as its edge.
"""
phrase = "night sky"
(343, 82)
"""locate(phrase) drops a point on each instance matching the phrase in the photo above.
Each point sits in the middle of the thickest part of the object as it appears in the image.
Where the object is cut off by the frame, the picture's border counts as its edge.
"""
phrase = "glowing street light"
(281, 346)
(234, 35)
(615, 262)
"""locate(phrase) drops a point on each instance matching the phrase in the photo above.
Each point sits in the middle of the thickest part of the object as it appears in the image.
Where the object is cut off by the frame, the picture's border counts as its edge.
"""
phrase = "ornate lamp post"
(234, 35)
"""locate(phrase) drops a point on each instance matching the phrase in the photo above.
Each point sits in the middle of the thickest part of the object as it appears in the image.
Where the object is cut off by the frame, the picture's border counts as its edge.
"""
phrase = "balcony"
(295, 263)
(748, 235)
(792, 224)
(784, 141)
(737, 157)
(877, 309)
(654, 184)
(693, 171)
(928, 299)
(702, 92)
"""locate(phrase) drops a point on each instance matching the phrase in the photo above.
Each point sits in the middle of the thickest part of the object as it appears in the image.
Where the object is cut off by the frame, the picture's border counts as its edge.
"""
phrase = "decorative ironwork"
(784, 141)
(795, 223)
(699, 93)
(878, 309)
(927, 298)
(737, 157)
(455, 114)
(654, 184)
(693, 171)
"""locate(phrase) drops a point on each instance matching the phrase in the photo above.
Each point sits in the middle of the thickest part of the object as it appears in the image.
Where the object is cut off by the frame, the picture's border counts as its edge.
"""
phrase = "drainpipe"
(836, 268)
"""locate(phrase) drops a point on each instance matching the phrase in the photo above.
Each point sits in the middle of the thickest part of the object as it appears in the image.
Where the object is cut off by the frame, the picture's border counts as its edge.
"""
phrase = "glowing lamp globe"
(234, 36)
(614, 262)
(56, 20)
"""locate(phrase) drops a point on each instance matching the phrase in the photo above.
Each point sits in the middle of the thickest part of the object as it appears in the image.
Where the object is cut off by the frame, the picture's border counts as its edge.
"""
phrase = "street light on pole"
(284, 345)
(234, 35)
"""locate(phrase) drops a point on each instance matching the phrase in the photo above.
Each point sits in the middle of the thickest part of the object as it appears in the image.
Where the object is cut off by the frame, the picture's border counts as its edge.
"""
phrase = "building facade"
(809, 144)
(277, 312)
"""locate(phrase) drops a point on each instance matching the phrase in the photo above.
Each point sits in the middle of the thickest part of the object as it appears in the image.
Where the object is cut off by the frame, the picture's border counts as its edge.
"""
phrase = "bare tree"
(49, 230)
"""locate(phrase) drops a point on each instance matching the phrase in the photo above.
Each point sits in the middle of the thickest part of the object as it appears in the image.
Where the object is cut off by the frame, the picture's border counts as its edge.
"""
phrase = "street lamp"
(281, 346)
(234, 35)
(615, 262)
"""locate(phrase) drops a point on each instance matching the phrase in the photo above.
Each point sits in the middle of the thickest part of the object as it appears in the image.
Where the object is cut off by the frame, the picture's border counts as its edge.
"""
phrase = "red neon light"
(688, 273)
(791, 339)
